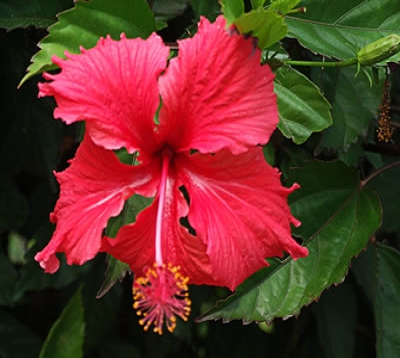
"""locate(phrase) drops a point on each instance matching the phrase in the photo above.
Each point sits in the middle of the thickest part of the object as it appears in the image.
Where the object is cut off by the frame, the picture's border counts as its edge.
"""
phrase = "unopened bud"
(379, 50)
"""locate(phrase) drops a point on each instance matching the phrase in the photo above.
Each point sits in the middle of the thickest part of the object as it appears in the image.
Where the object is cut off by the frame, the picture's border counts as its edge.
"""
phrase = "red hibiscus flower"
(196, 125)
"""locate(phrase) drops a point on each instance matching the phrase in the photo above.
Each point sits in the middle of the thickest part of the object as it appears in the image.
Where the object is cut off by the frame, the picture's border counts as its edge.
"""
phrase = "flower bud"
(379, 50)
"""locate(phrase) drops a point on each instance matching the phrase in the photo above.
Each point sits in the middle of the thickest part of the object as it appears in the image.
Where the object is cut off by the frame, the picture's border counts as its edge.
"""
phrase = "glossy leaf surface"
(302, 107)
(88, 21)
(347, 217)
(340, 28)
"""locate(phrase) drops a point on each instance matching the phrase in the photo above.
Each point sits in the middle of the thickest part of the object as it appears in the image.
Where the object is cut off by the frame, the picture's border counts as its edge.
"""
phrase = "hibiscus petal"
(239, 209)
(135, 243)
(112, 86)
(215, 93)
(92, 189)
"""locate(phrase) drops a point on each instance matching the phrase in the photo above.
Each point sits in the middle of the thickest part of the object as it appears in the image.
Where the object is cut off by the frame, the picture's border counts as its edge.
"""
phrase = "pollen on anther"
(161, 295)
(385, 129)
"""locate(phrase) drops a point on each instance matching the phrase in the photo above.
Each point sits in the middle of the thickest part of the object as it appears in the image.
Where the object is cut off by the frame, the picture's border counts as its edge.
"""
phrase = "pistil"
(161, 203)
(161, 293)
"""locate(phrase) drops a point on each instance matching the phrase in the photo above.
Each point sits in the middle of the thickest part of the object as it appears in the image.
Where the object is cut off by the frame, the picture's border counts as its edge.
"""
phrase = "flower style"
(196, 126)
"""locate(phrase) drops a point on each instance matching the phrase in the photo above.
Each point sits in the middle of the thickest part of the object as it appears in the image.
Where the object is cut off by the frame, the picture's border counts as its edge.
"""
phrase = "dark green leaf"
(354, 104)
(168, 9)
(302, 107)
(208, 8)
(86, 23)
(267, 26)
(340, 28)
(335, 314)
(116, 271)
(387, 187)
(387, 300)
(39, 13)
(378, 272)
(65, 339)
(350, 216)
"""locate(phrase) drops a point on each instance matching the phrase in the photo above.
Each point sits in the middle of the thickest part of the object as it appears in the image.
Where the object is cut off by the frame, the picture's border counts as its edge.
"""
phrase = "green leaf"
(347, 216)
(336, 317)
(267, 26)
(168, 9)
(355, 102)
(378, 272)
(65, 339)
(116, 271)
(283, 6)
(232, 9)
(255, 4)
(340, 28)
(39, 13)
(386, 185)
(86, 23)
(387, 299)
(16, 248)
(208, 8)
(302, 107)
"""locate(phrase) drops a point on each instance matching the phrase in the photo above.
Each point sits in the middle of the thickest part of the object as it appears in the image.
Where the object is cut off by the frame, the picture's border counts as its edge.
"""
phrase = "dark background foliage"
(356, 318)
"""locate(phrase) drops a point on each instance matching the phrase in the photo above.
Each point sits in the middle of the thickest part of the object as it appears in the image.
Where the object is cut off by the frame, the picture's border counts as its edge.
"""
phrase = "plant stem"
(350, 62)
(379, 171)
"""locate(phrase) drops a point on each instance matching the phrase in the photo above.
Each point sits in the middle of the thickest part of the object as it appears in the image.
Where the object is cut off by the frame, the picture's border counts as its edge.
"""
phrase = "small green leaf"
(39, 13)
(283, 6)
(116, 271)
(232, 9)
(65, 339)
(303, 109)
(267, 26)
(85, 24)
(351, 215)
(17, 248)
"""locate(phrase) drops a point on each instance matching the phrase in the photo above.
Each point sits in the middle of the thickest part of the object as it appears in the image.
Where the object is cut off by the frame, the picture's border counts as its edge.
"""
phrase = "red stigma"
(161, 295)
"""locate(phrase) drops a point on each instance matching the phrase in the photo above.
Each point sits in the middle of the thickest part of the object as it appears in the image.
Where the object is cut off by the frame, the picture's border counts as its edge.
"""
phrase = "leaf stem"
(378, 172)
(349, 62)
